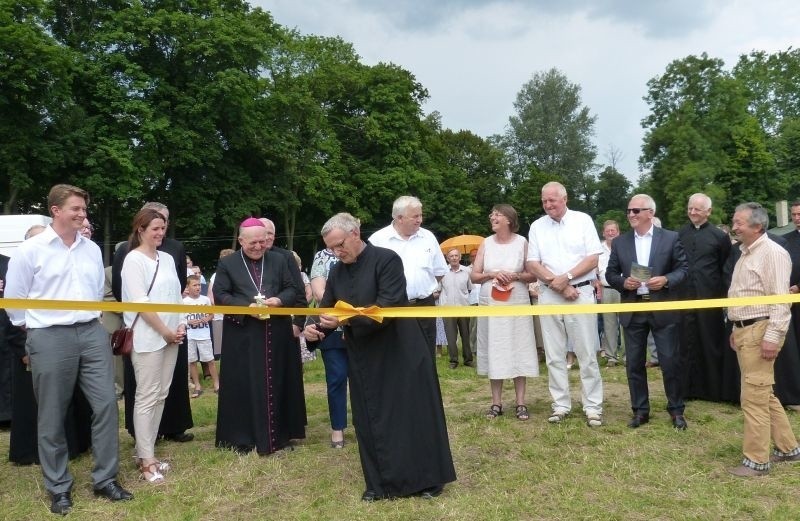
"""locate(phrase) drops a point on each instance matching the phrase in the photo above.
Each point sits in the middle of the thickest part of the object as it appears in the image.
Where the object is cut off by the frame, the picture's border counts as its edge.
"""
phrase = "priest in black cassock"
(704, 346)
(261, 401)
(793, 246)
(394, 390)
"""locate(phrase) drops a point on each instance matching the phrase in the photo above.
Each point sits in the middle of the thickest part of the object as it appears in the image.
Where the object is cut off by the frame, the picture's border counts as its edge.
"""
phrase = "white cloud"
(473, 56)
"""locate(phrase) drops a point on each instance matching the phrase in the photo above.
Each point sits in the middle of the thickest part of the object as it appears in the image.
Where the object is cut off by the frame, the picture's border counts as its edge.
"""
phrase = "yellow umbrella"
(464, 243)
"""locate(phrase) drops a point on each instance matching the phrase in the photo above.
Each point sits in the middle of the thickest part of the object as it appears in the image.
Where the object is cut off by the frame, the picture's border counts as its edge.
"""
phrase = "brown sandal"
(494, 411)
(522, 413)
(151, 473)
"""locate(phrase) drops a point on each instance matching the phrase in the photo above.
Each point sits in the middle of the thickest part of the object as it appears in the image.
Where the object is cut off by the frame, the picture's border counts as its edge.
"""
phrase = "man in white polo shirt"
(563, 252)
(423, 262)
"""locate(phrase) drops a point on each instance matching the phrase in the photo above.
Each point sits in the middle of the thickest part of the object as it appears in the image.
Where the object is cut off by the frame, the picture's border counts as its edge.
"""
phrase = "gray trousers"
(60, 356)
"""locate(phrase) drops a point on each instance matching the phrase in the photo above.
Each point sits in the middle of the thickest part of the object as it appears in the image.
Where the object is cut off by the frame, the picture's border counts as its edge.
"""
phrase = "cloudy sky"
(473, 56)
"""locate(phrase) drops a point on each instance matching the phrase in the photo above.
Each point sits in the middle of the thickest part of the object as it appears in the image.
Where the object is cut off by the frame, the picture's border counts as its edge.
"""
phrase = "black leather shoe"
(638, 420)
(679, 422)
(453, 365)
(61, 503)
(114, 492)
(369, 496)
(181, 437)
(468, 363)
(431, 492)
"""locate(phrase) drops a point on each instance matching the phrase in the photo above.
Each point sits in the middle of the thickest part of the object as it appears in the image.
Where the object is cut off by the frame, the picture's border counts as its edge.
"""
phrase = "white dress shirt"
(643, 244)
(43, 267)
(423, 261)
(602, 263)
(561, 245)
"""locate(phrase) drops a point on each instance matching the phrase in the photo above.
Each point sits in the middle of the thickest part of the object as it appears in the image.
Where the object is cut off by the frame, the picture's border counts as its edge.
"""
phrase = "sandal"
(494, 411)
(522, 413)
(197, 393)
(151, 474)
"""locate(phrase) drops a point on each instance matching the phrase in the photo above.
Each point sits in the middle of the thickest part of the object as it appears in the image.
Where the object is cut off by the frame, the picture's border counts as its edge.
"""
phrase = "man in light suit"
(661, 253)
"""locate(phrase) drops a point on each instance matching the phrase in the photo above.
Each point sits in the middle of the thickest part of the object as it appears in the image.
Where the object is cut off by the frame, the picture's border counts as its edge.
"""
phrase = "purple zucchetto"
(251, 222)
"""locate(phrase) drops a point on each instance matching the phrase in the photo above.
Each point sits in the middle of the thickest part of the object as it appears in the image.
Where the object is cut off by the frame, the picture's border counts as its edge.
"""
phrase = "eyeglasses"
(635, 211)
(339, 246)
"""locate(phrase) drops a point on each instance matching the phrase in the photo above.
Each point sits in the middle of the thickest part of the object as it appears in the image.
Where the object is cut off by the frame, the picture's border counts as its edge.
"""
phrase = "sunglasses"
(635, 211)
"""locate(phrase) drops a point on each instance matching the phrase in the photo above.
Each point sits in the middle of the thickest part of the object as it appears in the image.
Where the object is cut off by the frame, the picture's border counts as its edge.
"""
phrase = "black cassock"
(704, 344)
(394, 390)
(793, 247)
(787, 365)
(261, 400)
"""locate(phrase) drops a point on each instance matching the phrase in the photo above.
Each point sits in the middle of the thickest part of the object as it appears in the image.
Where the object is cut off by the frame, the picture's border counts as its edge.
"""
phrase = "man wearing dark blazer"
(661, 254)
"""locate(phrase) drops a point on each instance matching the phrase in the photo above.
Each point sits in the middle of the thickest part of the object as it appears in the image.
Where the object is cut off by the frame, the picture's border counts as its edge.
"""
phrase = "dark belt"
(608, 287)
(643, 296)
(423, 301)
(584, 283)
(748, 322)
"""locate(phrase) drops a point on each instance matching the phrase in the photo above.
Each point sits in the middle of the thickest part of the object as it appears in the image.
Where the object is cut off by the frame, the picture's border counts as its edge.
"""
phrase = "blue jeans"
(334, 357)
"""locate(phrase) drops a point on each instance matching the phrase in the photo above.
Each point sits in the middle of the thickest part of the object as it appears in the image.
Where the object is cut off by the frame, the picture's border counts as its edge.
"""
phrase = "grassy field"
(507, 469)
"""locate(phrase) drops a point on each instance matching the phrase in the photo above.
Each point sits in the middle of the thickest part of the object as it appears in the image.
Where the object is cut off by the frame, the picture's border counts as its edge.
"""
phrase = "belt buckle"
(645, 296)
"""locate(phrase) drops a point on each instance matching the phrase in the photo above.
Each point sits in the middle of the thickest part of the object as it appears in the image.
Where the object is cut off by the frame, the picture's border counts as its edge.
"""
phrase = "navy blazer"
(667, 258)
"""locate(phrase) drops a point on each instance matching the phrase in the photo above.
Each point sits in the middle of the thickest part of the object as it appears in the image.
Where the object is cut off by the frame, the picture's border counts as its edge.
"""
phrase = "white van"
(13, 228)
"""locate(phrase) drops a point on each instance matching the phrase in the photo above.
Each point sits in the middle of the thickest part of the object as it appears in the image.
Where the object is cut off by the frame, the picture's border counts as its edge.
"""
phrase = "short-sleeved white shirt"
(560, 245)
(423, 260)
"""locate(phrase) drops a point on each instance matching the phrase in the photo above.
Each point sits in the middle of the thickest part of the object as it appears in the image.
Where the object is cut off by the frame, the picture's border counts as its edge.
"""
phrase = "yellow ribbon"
(346, 311)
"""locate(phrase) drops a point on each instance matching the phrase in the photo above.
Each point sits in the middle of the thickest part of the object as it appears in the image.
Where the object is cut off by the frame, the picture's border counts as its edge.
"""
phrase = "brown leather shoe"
(746, 472)
(779, 458)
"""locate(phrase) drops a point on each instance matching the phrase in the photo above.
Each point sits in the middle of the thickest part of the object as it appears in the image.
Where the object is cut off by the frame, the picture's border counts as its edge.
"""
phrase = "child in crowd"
(199, 336)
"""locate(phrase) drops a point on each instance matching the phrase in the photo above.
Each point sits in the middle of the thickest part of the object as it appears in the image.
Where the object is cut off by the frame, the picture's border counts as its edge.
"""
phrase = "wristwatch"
(570, 276)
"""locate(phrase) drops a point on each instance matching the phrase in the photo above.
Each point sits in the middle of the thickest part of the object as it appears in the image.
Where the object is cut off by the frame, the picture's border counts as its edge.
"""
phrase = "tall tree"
(35, 94)
(552, 132)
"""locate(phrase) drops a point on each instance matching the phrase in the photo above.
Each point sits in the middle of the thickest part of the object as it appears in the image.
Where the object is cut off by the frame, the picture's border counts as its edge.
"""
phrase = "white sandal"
(151, 474)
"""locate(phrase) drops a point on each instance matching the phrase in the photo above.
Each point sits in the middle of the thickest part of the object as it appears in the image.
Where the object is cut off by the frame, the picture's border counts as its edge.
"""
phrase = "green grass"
(506, 469)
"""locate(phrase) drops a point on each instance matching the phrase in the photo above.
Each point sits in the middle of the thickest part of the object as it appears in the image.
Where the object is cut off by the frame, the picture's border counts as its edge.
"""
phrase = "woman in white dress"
(506, 345)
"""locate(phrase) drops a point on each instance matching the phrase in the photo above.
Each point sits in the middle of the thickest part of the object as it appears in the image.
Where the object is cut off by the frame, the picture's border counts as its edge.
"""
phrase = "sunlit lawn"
(507, 469)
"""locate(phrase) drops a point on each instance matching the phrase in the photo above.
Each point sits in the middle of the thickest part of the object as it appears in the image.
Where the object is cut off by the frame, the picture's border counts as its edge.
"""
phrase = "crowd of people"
(63, 366)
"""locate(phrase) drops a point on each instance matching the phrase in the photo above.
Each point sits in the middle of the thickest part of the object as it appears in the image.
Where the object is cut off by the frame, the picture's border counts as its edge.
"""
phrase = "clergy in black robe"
(787, 365)
(704, 343)
(394, 390)
(177, 416)
(261, 401)
(793, 247)
(5, 353)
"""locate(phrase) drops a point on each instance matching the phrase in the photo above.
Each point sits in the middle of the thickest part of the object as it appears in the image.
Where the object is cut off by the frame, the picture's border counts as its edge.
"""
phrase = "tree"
(773, 85)
(610, 198)
(34, 97)
(700, 137)
(552, 132)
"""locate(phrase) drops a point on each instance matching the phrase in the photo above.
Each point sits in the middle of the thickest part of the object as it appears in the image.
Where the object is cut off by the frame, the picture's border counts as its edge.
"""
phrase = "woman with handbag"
(149, 275)
(506, 345)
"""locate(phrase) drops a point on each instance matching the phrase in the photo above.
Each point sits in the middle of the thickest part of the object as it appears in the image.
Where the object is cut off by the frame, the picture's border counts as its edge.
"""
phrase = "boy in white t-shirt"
(198, 334)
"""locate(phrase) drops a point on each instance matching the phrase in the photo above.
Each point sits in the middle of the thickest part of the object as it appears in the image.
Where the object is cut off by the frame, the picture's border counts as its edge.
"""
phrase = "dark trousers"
(428, 325)
(452, 328)
(667, 345)
(334, 357)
